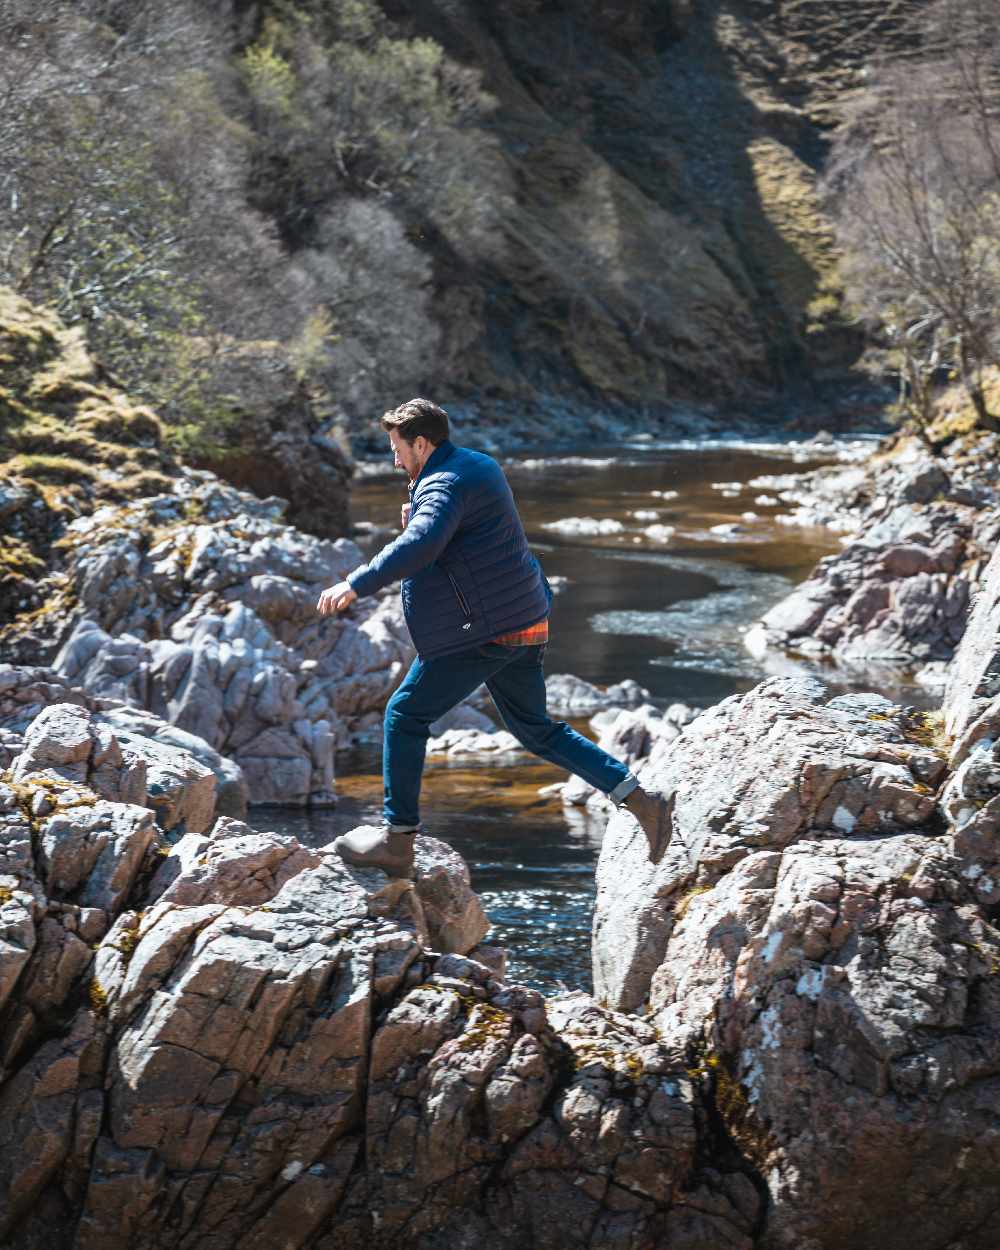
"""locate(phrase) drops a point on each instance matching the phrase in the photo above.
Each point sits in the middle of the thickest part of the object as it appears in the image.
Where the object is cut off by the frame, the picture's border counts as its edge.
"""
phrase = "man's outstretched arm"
(427, 533)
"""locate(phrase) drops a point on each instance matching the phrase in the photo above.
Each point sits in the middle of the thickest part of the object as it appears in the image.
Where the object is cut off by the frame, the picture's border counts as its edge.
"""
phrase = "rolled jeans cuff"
(623, 789)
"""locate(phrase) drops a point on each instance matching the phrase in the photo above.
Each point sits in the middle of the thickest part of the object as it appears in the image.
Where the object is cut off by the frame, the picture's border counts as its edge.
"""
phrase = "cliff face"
(646, 192)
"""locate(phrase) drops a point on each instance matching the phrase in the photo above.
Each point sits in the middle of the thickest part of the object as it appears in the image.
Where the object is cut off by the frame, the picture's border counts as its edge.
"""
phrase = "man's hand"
(404, 513)
(336, 598)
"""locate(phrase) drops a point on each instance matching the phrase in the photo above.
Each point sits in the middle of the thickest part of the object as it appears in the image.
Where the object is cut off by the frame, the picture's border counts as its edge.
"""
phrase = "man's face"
(408, 456)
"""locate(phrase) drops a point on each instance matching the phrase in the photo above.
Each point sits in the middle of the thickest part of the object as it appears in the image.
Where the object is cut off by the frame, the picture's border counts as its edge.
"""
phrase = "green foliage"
(340, 103)
(201, 435)
(310, 350)
(175, 205)
(270, 81)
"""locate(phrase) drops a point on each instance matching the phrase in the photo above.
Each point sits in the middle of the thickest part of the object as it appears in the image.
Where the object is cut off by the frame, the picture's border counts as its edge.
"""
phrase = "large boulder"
(971, 799)
(814, 943)
(757, 770)
(972, 695)
(843, 991)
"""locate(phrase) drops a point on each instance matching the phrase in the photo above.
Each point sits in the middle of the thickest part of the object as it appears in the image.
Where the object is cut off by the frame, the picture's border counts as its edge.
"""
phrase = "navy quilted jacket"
(467, 572)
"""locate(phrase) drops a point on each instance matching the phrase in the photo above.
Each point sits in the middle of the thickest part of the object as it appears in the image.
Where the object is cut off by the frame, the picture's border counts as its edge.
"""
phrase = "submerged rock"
(474, 742)
(585, 526)
(567, 695)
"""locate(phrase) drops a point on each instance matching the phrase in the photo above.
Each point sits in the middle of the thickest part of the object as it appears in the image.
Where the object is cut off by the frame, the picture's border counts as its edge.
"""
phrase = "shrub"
(914, 183)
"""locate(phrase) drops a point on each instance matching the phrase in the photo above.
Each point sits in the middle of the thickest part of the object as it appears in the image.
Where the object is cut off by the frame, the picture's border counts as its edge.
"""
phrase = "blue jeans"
(514, 677)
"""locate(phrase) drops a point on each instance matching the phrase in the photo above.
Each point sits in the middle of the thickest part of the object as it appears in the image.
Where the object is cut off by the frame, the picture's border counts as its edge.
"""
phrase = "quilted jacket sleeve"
(435, 518)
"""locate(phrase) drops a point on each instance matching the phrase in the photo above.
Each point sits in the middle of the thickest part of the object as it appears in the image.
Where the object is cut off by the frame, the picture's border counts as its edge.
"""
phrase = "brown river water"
(666, 610)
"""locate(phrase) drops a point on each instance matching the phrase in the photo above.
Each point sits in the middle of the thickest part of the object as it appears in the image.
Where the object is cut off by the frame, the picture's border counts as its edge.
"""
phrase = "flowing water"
(666, 606)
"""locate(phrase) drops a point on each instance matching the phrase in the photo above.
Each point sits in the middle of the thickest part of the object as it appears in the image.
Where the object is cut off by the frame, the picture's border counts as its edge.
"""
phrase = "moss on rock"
(70, 440)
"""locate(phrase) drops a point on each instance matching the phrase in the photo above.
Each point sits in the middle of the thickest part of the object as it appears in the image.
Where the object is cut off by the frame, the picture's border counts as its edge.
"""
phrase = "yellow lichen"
(988, 957)
(685, 900)
(492, 1024)
(128, 939)
(52, 788)
(98, 996)
(618, 1062)
(926, 729)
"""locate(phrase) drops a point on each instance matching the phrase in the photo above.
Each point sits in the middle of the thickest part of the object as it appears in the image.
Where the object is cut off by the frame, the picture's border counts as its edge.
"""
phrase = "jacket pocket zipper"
(462, 601)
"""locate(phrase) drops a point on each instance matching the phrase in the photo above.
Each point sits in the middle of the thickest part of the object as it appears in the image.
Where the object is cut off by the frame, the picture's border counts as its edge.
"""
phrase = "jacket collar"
(434, 461)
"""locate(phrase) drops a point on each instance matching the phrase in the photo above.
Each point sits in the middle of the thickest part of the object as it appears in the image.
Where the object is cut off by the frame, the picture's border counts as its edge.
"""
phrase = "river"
(665, 608)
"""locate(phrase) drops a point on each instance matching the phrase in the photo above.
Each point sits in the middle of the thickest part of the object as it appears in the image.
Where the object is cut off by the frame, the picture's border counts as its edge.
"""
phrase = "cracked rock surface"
(238, 1041)
(819, 939)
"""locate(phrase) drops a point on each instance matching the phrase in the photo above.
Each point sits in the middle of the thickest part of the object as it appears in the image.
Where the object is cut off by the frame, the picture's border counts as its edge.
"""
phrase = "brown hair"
(416, 417)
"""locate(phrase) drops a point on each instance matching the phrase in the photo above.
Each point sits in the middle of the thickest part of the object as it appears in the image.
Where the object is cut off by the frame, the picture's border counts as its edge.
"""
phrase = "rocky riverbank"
(200, 607)
(920, 529)
(237, 1041)
(221, 1037)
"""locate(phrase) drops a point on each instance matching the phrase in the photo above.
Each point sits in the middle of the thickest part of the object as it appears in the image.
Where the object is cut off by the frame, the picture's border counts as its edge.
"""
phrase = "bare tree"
(205, 208)
(914, 183)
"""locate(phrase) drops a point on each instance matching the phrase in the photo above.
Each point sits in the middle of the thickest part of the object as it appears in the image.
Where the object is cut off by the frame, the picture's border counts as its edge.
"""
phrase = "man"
(477, 606)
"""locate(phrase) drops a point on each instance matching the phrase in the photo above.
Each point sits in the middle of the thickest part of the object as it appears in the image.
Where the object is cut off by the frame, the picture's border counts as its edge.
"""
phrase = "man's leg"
(518, 690)
(431, 688)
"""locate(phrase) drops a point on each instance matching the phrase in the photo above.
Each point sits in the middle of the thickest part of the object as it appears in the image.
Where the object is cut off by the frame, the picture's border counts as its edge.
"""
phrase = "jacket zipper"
(462, 602)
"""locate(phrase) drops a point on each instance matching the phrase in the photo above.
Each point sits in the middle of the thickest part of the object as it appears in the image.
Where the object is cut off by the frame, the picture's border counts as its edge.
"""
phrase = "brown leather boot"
(655, 815)
(376, 846)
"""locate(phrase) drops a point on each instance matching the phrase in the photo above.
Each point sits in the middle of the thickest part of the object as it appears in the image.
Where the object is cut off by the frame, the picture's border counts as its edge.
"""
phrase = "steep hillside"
(651, 232)
(552, 216)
